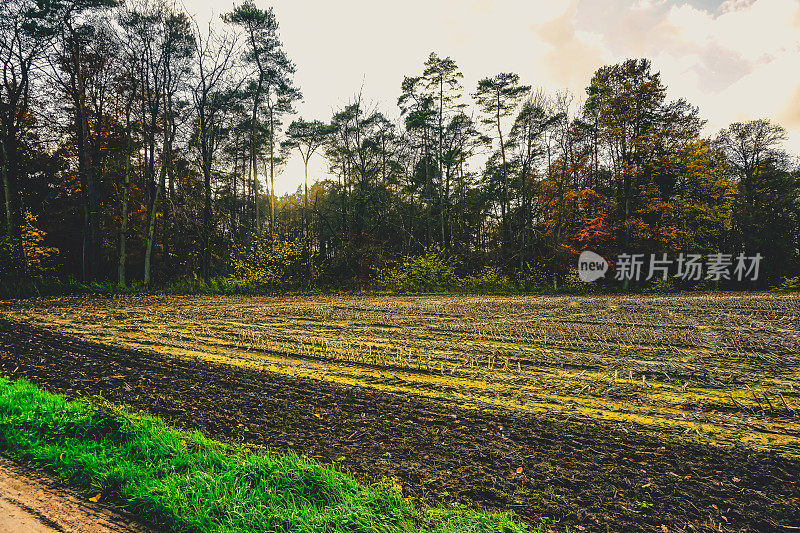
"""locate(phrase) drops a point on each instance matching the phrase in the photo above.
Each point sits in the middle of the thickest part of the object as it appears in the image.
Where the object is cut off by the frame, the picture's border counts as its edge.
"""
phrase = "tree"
(534, 119)
(211, 93)
(307, 138)
(766, 211)
(272, 85)
(160, 138)
(749, 147)
(28, 29)
(128, 91)
(160, 46)
(431, 104)
(85, 64)
(497, 98)
(21, 45)
(418, 108)
(442, 80)
(627, 98)
(704, 198)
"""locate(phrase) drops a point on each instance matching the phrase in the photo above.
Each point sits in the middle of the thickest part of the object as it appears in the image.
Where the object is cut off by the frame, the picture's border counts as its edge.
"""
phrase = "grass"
(185, 482)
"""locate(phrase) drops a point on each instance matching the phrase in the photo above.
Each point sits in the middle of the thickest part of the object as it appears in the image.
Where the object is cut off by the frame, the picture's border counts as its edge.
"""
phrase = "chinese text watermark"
(686, 267)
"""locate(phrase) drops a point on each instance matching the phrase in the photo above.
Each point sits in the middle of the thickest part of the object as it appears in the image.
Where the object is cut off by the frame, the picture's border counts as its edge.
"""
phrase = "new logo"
(591, 266)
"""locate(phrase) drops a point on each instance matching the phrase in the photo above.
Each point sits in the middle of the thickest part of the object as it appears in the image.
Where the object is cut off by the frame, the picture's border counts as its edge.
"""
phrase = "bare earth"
(31, 503)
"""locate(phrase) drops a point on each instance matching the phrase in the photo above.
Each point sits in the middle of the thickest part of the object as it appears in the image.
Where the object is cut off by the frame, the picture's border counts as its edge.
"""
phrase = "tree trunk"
(91, 231)
(234, 188)
(504, 210)
(6, 188)
(271, 174)
(205, 261)
(126, 191)
(162, 180)
(306, 229)
(253, 156)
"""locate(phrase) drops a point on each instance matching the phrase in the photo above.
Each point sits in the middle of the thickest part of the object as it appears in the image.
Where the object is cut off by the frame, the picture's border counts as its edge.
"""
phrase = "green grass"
(185, 482)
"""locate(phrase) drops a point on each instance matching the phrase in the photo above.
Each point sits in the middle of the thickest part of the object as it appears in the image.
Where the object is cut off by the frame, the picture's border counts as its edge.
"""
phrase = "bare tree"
(211, 93)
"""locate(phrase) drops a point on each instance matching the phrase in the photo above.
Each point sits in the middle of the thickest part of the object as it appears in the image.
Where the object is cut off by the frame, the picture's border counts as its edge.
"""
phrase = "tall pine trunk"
(91, 216)
(126, 192)
(162, 180)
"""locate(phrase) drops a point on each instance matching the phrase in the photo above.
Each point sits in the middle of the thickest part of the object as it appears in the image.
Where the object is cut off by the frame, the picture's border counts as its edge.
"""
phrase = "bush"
(661, 286)
(789, 284)
(274, 263)
(38, 257)
(431, 272)
(489, 279)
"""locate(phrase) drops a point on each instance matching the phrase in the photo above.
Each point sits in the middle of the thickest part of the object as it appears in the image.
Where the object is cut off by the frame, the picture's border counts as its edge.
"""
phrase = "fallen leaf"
(519, 470)
(648, 485)
(96, 498)
(736, 479)
(61, 457)
(714, 506)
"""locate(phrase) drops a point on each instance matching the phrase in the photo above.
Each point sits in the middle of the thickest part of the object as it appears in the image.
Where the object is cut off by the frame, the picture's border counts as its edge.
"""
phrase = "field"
(602, 413)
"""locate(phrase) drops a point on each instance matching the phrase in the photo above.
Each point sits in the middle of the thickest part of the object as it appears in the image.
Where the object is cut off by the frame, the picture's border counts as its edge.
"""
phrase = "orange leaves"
(595, 232)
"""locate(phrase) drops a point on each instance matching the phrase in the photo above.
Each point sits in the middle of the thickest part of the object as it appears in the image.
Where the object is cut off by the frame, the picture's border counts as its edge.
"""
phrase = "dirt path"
(32, 503)
(589, 475)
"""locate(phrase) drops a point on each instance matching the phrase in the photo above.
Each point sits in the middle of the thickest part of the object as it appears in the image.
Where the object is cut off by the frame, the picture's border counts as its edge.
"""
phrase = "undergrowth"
(185, 482)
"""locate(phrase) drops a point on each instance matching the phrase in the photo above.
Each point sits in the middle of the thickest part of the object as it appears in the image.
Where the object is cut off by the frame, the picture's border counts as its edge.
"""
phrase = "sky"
(735, 59)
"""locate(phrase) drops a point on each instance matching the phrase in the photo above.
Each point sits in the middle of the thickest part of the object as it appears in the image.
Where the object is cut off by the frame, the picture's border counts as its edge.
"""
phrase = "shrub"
(489, 279)
(661, 286)
(789, 284)
(431, 272)
(274, 263)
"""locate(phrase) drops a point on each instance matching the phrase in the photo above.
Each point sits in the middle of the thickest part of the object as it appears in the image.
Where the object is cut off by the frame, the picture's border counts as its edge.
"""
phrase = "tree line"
(136, 145)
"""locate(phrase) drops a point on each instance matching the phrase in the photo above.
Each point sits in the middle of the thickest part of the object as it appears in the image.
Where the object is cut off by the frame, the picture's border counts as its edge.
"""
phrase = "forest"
(139, 147)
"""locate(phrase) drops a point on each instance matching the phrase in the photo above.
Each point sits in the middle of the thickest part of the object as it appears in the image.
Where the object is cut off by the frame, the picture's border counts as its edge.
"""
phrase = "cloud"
(737, 60)
(745, 61)
(790, 117)
(643, 5)
(573, 55)
(729, 6)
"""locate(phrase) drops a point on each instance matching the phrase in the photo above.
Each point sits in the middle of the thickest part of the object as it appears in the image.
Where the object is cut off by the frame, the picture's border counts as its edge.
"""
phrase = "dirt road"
(31, 503)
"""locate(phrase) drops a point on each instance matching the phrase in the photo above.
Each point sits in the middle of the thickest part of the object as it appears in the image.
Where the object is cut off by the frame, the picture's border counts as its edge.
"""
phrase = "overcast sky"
(734, 59)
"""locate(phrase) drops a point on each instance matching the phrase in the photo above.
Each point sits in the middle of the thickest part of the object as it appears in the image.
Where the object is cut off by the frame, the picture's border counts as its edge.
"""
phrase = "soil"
(581, 473)
(32, 503)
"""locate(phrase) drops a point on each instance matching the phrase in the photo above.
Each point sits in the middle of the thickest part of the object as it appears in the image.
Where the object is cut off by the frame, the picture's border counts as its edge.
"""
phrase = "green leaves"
(498, 96)
(272, 263)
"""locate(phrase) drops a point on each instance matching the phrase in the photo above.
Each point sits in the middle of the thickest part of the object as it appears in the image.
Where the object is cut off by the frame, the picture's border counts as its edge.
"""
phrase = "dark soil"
(589, 475)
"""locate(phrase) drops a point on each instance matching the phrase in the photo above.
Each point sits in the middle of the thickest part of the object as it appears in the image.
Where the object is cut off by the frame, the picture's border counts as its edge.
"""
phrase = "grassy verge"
(184, 482)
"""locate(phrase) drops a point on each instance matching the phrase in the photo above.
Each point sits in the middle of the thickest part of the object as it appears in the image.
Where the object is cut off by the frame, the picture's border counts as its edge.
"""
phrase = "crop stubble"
(614, 408)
